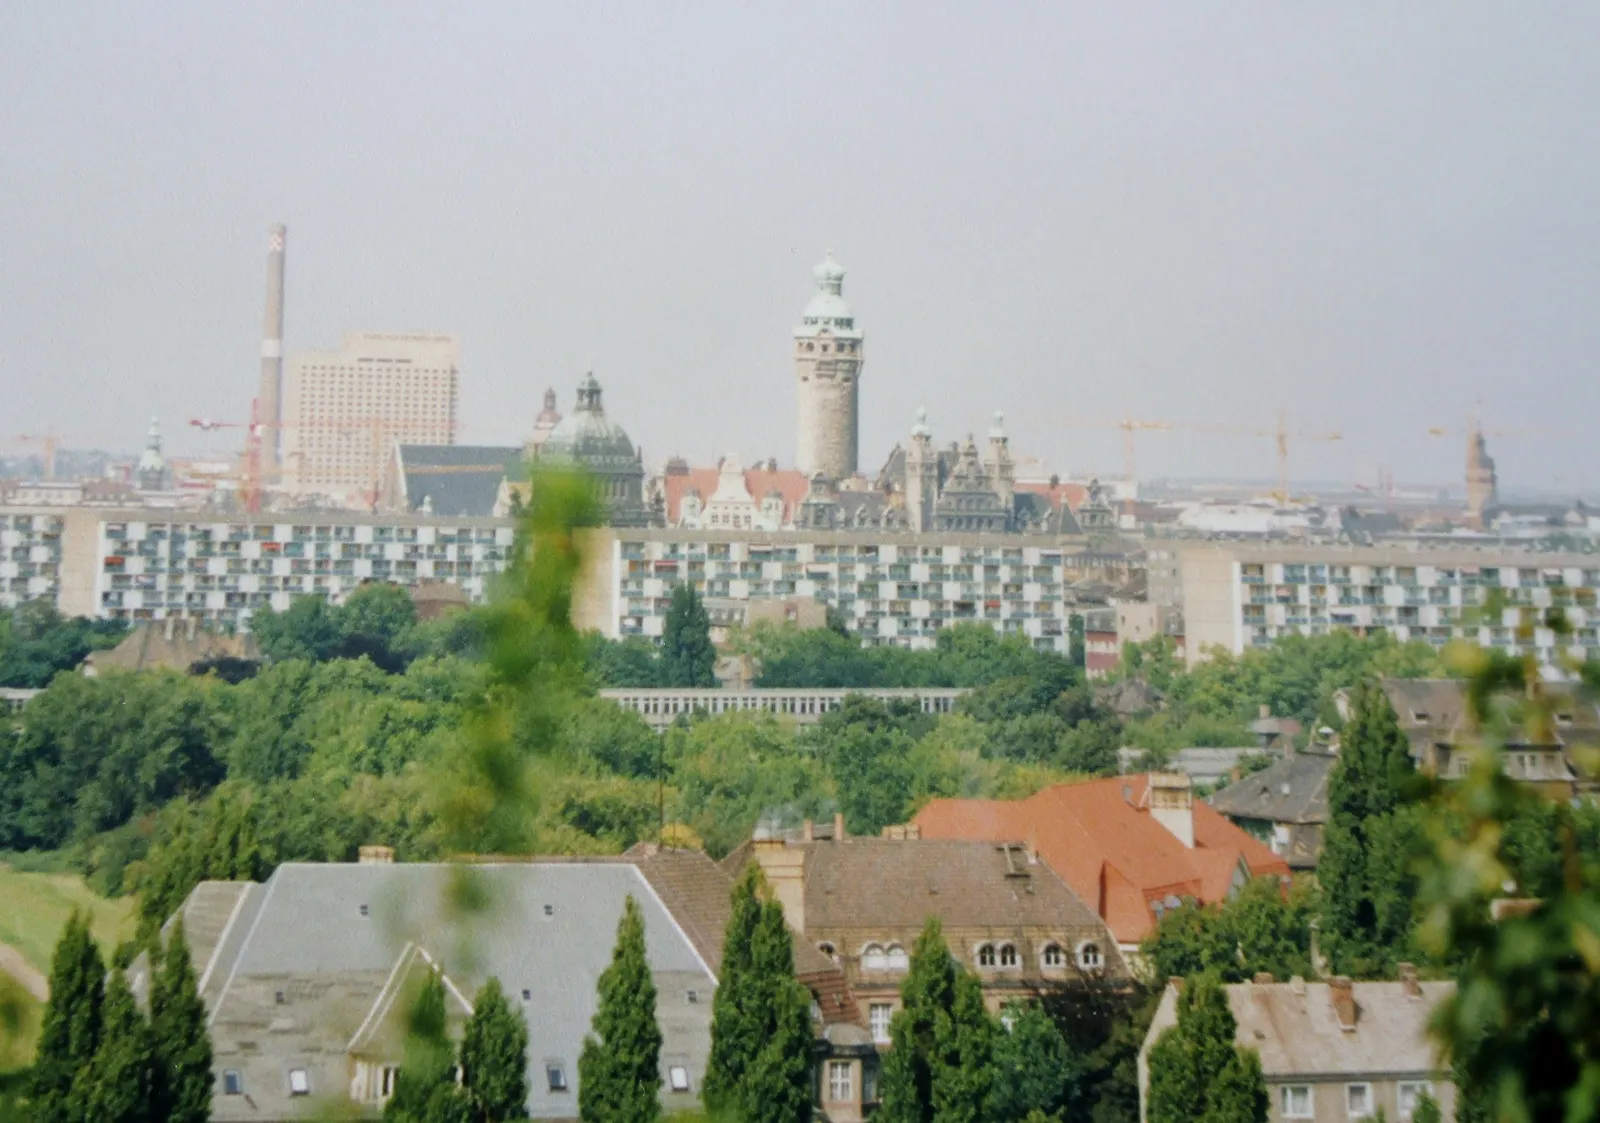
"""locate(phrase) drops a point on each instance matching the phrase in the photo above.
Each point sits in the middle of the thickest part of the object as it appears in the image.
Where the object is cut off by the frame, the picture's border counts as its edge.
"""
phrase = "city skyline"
(1373, 219)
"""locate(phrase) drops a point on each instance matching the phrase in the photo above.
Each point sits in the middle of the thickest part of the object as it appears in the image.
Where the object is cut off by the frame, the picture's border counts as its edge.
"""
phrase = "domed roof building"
(152, 474)
(590, 440)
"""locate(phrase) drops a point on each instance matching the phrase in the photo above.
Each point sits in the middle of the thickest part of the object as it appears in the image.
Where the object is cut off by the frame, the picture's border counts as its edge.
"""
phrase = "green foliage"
(966, 655)
(632, 661)
(1036, 1071)
(494, 1057)
(733, 1016)
(425, 1067)
(1426, 1110)
(1260, 929)
(376, 622)
(776, 1084)
(1370, 842)
(619, 1070)
(182, 1044)
(1196, 1071)
(687, 657)
(70, 1035)
(940, 1065)
(120, 1086)
(37, 642)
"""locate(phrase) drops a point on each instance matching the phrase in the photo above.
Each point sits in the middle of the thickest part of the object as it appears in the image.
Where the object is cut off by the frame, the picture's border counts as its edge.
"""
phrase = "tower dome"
(586, 436)
(151, 474)
(828, 308)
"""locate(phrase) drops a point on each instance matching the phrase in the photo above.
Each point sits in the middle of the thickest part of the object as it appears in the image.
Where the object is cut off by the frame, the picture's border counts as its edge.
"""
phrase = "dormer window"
(897, 958)
(1008, 956)
(874, 958)
(1089, 957)
(986, 955)
(1054, 957)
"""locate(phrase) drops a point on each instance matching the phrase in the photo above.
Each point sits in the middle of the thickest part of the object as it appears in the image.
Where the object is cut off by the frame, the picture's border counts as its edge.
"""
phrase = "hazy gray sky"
(1372, 214)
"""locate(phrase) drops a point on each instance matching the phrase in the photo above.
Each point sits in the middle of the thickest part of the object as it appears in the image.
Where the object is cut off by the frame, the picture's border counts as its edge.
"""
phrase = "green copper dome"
(828, 308)
(585, 436)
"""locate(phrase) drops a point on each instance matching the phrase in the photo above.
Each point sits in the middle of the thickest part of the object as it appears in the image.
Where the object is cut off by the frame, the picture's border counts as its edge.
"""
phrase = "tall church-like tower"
(1482, 484)
(827, 365)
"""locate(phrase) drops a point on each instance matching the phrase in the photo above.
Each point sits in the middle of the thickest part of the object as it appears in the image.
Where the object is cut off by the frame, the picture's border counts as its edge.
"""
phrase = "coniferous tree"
(70, 1034)
(687, 655)
(733, 1040)
(926, 997)
(120, 1085)
(1196, 1070)
(619, 1070)
(494, 1057)
(426, 1091)
(182, 1044)
(1035, 1069)
(777, 1083)
(964, 1077)
(1426, 1110)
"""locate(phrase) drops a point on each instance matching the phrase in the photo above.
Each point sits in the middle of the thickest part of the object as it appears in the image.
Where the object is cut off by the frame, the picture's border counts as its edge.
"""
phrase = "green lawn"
(37, 906)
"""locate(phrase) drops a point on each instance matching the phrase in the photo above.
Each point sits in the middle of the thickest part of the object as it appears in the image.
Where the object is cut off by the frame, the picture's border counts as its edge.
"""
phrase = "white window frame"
(874, 958)
(1417, 1088)
(986, 951)
(875, 1012)
(841, 1082)
(1053, 951)
(1008, 951)
(388, 1078)
(897, 958)
(1349, 1091)
(299, 1082)
(1285, 1095)
(1083, 956)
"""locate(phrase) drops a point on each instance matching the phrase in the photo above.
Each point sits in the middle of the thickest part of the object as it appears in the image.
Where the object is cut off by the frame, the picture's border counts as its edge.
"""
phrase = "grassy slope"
(37, 906)
(19, 1025)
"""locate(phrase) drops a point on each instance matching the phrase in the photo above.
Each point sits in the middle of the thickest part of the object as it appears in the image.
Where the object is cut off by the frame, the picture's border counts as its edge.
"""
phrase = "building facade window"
(841, 1083)
(1089, 957)
(986, 957)
(555, 1076)
(231, 1084)
(1358, 1100)
(678, 1078)
(1008, 955)
(874, 958)
(1053, 957)
(1296, 1101)
(299, 1082)
(879, 1015)
(897, 957)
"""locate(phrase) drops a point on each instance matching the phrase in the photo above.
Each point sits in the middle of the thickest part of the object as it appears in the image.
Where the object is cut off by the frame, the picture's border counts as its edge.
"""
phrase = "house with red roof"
(1132, 847)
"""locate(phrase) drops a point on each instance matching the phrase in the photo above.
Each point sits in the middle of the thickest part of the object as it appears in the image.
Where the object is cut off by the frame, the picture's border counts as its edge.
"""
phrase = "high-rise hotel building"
(345, 410)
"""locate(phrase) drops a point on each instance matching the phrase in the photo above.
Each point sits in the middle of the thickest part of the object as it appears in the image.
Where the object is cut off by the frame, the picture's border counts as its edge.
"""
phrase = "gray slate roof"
(458, 479)
(300, 978)
(1291, 790)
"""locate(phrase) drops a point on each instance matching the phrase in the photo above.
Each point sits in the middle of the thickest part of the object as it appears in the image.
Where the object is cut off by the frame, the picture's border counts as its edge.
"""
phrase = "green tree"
(1035, 1069)
(1426, 1110)
(964, 1077)
(377, 621)
(776, 1087)
(120, 1086)
(182, 1045)
(426, 1091)
(870, 773)
(308, 629)
(1196, 1070)
(687, 656)
(619, 1070)
(1370, 841)
(734, 1042)
(69, 1036)
(494, 1057)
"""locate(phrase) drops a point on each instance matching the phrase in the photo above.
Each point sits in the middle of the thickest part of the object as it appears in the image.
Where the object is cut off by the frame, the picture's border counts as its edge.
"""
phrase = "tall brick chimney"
(1341, 993)
(1172, 804)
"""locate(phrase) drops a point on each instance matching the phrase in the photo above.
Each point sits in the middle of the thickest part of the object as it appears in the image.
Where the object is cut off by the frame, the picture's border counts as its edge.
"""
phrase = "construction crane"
(250, 469)
(1129, 426)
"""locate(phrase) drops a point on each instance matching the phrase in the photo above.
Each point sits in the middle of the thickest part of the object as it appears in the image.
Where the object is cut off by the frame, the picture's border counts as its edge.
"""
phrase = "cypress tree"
(964, 1076)
(1035, 1069)
(1196, 1070)
(927, 994)
(182, 1045)
(687, 655)
(494, 1057)
(733, 1042)
(776, 1087)
(619, 1070)
(120, 1086)
(69, 1036)
(426, 1062)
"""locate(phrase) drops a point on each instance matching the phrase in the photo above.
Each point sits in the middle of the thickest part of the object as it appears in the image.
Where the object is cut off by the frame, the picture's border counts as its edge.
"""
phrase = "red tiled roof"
(1099, 836)
(792, 484)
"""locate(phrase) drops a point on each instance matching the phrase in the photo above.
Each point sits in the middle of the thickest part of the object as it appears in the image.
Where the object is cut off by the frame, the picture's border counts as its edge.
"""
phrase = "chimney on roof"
(1172, 804)
(1263, 710)
(1262, 978)
(376, 855)
(1342, 994)
(838, 826)
(1408, 979)
(808, 832)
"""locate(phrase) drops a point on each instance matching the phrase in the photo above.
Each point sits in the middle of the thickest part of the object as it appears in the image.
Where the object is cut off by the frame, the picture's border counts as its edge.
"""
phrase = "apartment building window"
(1358, 1100)
(879, 1015)
(1296, 1101)
(840, 1082)
(1410, 1091)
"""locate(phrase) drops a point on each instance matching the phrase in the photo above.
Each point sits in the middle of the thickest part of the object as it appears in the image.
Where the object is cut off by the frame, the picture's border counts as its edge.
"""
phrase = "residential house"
(303, 975)
(1331, 1051)
(862, 902)
(1285, 804)
(1435, 718)
(1131, 847)
(174, 645)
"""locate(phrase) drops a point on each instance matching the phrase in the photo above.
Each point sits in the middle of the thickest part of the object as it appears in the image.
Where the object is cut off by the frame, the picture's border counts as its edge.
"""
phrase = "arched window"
(827, 949)
(873, 958)
(1089, 957)
(1008, 955)
(898, 959)
(985, 955)
(1054, 957)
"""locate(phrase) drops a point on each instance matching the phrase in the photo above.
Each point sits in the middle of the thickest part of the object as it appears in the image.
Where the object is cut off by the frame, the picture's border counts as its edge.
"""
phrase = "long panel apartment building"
(1238, 596)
